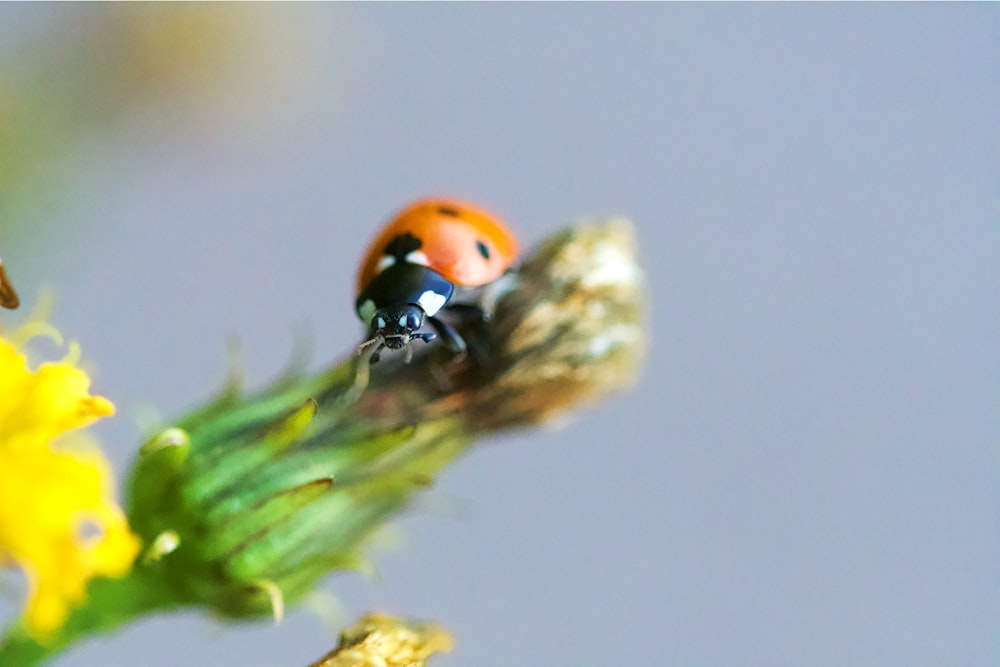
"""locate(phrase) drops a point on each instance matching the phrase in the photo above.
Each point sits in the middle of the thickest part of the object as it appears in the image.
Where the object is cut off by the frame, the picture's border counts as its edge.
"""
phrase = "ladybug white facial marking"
(367, 311)
(431, 302)
(384, 263)
(417, 257)
(380, 323)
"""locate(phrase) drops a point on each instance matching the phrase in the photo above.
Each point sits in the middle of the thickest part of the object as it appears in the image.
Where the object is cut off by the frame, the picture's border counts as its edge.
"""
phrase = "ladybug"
(420, 260)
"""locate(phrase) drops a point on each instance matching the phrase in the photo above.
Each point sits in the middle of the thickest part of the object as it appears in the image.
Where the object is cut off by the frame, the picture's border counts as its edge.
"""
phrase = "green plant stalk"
(244, 505)
(110, 603)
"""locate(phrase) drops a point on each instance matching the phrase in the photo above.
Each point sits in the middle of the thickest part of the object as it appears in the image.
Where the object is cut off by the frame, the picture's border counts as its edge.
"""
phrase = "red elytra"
(463, 242)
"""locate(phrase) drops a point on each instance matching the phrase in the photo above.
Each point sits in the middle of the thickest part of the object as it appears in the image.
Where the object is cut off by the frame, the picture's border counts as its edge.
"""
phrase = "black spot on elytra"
(483, 249)
(447, 210)
(402, 245)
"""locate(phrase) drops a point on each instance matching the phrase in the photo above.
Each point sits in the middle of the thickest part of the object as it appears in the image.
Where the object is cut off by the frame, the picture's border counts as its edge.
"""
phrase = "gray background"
(806, 473)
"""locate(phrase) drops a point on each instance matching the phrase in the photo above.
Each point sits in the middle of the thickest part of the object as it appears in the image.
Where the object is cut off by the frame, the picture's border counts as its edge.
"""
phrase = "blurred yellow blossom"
(57, 519)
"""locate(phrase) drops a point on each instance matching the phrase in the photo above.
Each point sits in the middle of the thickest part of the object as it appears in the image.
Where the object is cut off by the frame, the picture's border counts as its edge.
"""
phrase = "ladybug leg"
(451, 338)
(468, 313)
(375, 355)
(474, 321)
(426, 337)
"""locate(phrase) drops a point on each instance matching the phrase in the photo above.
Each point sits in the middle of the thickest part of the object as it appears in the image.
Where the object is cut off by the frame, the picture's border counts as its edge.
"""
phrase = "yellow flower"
(57, 519)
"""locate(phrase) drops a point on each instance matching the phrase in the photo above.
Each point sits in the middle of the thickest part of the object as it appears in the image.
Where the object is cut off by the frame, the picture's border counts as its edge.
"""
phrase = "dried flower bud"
(572, 331)
(383, 641)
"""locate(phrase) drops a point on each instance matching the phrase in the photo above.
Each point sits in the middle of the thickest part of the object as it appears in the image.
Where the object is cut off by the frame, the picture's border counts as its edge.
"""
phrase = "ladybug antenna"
(374, 356)
(360, 349)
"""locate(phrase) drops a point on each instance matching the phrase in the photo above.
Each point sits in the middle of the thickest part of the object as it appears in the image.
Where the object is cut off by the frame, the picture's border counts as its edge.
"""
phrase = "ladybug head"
(395, 325)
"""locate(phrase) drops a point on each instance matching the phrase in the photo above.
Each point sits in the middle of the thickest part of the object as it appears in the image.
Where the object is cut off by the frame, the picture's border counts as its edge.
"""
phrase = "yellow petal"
(57, 518)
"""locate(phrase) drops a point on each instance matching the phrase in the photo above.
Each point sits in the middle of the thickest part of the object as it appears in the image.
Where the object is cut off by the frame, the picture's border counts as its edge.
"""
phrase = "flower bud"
(246, 503)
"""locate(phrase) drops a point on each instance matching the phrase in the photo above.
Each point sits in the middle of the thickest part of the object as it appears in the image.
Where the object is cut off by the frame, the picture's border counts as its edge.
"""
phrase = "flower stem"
(109, 604)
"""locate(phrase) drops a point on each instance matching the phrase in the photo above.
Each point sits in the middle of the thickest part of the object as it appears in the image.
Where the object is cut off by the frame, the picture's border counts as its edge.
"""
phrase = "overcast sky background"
(806, 473)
